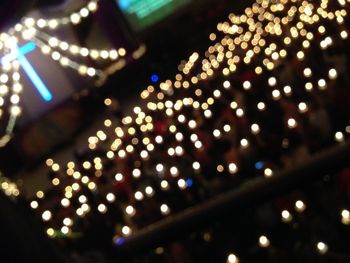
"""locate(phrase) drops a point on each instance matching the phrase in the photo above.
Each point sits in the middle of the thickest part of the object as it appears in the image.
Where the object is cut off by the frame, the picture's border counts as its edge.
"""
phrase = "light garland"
(261, 39)
(31, 29)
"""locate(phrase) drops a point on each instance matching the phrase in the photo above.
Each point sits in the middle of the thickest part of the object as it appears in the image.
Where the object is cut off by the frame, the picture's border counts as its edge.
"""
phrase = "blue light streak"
(28, 68)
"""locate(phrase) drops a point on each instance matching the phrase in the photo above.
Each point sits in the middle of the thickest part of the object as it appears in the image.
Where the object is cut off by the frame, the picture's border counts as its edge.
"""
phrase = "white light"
(138, 196)
(84, 12)
(55, 55)
(239, 112)
(34, 204)
(264, 241)
(179, 150)
(322, 84)
(198, 144)
(192, 124)
(181, 118)
(244, 143)
(232, 167)
(4, 78)
(102, 208)
(82, 199)
(15, 110)
(41, 23)
(217, 93)
(91, 71)
(345, 217)
(136, 173)
(247, 85)
(255, 128)
(216, 133)
(286, 216)
(130, 210)
(92, 6)
(84, 52)
(261, 106)
(332, 73)
(322, 247)
(345, 213)
(272, 81)
(75, 18)
(227, 128)
(53, 23)
(160, 168)
(46, 215)
(179, 136)
(232, 258)
(226, 84)
(268, 172)
(307, 72)
(113, 54)
(171, 151)
(67, 221)
(300, 206)
(194, 137)
(118, 177)
(196, 165)
(110, 197)
(302, 107)
(164, 209)
(64, 46)
(14, 99)
(65, 202)
(339, 136)
(46, 49)
(164, 184)
(149, 191)
(287, 90)
(207, 113)
(126, 230)
(4, 90)
(53, 42)
(65, 230)
(292, 123)
(181, 183)
(276, 94)
(159, 139)
(174, 171)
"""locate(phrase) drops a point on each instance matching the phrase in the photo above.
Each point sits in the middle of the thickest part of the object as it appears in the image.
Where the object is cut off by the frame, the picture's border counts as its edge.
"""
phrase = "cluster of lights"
(31, 29)
(54, 23)
(320, 247)
(141, 139)
(8, 187)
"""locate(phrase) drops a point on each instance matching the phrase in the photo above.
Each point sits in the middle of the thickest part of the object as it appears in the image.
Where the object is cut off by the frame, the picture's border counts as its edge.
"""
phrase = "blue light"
(34, 77)
(119, 241)
(28, 68)
(154, 78)
(124, 4)
(259, 165)
(189, 182)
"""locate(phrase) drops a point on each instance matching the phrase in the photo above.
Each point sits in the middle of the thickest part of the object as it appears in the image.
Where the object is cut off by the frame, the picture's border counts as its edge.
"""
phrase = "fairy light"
(232, 258)
(300, 206)
(139, 141)
(46, 215)
(322, 247)
(345, 217)
(264, 241)
(286, 216)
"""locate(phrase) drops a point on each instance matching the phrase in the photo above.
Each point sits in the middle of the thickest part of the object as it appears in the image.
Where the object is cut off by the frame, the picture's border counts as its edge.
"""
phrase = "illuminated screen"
(144, 13)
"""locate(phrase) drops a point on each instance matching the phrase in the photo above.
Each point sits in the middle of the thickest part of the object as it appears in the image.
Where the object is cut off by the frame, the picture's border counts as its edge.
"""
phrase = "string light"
(176, 124)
